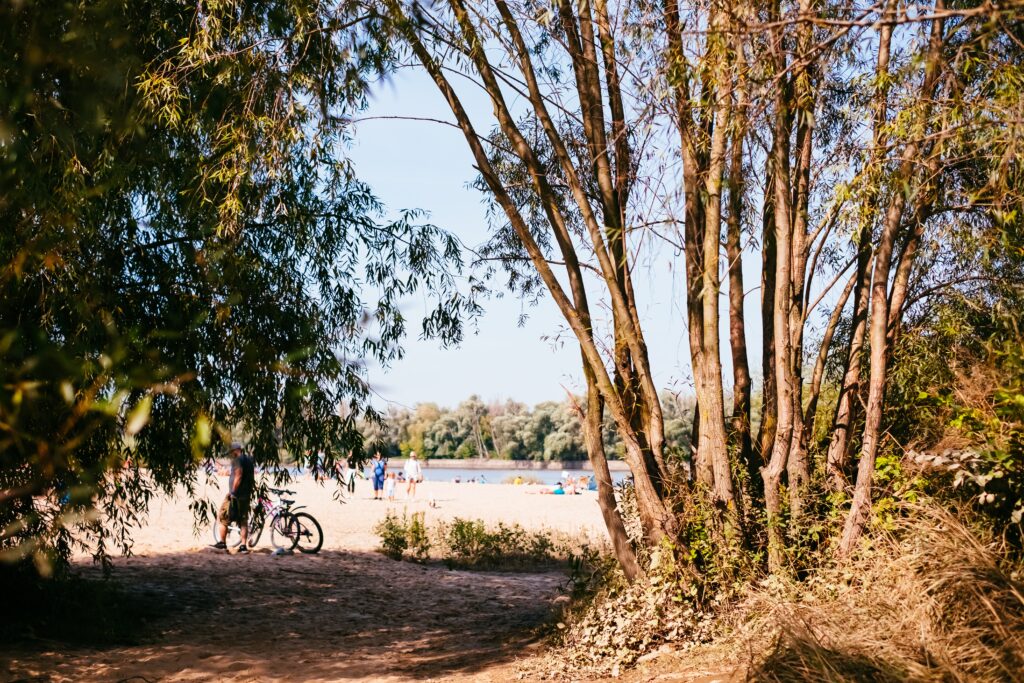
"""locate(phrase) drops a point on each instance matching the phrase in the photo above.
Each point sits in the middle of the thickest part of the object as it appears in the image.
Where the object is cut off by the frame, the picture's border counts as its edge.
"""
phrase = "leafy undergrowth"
(931, 599)
(472, 544)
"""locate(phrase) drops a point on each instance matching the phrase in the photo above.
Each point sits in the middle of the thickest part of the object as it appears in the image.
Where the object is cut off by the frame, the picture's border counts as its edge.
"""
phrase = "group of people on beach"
(385, 482)
(572, 486)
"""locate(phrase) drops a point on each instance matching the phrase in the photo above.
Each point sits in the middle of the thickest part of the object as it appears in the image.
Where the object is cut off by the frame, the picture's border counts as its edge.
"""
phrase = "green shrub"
(467, 543)
(471, 544)
(417, 537)
(393, 535)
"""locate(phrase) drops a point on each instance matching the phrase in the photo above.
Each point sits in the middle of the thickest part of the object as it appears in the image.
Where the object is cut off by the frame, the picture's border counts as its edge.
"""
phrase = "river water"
(489, 476)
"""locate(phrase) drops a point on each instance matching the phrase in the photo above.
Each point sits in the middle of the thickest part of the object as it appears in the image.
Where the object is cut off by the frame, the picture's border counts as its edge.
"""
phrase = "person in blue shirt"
(379, 468)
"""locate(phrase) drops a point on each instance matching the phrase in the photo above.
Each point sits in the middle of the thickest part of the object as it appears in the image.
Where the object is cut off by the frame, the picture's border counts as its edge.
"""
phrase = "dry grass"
(931, 601)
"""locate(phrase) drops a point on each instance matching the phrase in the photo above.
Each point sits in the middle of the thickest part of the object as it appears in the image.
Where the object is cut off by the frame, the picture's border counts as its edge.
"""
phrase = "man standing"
(413, 474)
(235, 507)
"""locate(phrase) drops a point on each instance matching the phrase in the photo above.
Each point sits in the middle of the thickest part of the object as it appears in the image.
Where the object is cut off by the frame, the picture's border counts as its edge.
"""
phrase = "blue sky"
(426, 165)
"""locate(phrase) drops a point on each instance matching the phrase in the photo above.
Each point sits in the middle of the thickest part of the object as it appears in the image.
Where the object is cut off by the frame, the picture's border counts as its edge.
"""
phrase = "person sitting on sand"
(518, 480)
(379, 468)
(558, 490)
(413, 474)
(235, 507)
(389, 486)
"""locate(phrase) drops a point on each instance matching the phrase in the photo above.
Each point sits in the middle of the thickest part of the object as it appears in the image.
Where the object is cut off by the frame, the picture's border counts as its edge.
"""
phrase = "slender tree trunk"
(837, 459)
(819, 364)
(860, 508)
(713, 437)
(801, 105)
(769, 401)
(782, 352)
(741, 384)
(592, 435)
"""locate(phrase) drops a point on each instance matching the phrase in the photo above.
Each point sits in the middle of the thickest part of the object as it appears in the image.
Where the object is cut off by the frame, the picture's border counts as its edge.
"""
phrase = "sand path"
(347, 613)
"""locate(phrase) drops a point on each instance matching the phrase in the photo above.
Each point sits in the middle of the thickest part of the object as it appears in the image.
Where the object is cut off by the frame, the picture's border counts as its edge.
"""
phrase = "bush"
(469, 544)
(393, 535)
(417, 536)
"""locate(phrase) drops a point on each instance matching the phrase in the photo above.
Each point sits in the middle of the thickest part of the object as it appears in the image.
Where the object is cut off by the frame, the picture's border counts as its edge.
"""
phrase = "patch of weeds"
(394, 535)
(417, 537)
(470, 544)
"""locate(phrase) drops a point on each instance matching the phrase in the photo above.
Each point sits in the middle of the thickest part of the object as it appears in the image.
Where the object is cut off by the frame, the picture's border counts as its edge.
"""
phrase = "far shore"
(498, 464)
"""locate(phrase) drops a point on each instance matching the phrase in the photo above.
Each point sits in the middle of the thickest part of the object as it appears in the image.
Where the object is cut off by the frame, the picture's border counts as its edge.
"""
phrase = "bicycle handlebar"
(279, 491)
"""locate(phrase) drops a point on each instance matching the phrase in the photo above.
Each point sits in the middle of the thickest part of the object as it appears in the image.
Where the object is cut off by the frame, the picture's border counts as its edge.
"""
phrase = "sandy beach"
(349, 526)
(347, 613)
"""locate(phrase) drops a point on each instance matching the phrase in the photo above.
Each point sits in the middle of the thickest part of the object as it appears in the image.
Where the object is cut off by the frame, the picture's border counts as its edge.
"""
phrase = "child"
(389, 486)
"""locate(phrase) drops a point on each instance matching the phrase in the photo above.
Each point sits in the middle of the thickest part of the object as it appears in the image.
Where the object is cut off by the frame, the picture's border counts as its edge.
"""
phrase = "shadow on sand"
(331, 616)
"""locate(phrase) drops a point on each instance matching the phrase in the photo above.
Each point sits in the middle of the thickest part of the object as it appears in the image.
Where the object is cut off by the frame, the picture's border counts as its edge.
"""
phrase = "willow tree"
(186, 252)
(561, 169)
(578, 164)
(830, 133)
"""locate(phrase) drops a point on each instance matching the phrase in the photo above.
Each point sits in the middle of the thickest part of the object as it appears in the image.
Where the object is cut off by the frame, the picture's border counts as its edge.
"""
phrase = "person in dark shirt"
(235, 507)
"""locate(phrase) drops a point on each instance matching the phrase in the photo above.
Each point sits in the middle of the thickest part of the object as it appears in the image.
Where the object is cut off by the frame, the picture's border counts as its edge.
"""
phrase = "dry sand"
(347, 613)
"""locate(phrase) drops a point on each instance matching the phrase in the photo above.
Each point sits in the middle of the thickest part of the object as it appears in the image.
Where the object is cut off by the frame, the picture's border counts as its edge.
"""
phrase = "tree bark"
(741, 383)
(819, 366)
(836, 461)
(782, 351)
(592, 434)
(860, 507)
(702, 181)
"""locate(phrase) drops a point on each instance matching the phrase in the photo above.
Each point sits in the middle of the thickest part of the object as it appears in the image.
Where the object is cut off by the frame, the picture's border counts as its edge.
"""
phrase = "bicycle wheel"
(309, 537)
(283, 534)
(254, 532)
(234, 535)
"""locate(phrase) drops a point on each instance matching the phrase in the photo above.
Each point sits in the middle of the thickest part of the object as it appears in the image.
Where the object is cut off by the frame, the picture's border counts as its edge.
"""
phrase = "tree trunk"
(782, 354)
(769, 260)
(819, 365)
(741, 384)
(592, 434)
(836, 461)
(860, 508)
(713, 437)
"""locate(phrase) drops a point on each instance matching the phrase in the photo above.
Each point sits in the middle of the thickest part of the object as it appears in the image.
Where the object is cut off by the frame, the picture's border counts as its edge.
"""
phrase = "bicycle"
(288, 529)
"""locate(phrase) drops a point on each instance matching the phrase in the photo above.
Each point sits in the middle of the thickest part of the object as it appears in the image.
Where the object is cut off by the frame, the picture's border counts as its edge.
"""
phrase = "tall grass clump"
(932, 599)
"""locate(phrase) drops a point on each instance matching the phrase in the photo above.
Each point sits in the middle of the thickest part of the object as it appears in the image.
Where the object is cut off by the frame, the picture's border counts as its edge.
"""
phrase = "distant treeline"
(509, 430)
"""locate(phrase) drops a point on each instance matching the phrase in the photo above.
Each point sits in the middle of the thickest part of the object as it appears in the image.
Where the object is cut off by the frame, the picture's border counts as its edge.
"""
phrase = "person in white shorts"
(413, 474)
